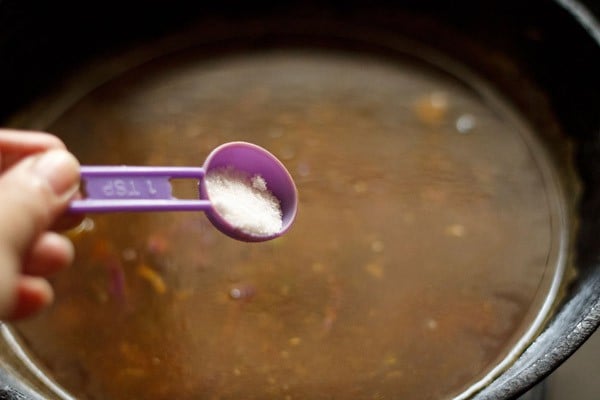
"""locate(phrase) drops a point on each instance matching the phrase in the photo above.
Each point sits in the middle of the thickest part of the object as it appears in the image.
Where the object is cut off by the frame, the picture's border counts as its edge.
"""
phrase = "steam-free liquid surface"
(423, 247)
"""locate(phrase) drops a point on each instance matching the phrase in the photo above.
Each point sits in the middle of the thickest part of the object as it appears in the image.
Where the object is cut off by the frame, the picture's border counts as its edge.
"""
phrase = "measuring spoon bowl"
(254, 160)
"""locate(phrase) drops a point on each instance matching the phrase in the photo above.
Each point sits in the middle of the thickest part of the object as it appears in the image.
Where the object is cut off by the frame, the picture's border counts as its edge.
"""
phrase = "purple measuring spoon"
(138, 188)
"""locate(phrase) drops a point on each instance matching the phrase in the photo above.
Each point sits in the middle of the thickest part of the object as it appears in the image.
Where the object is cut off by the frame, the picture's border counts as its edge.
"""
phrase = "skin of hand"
(38, 179)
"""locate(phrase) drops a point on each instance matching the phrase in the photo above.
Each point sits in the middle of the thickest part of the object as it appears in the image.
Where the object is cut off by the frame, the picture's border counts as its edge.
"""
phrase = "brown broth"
(420, 255)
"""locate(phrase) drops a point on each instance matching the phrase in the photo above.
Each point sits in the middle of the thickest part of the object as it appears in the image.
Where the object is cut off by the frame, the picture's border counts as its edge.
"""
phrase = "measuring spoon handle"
(135, 188)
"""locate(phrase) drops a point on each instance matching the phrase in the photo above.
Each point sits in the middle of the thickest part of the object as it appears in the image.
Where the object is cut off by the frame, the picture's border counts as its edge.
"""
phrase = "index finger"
(16, 144)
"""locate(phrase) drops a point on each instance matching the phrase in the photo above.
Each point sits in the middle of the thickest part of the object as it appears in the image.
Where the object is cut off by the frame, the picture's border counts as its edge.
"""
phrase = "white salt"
(243, 201)
(258, 182)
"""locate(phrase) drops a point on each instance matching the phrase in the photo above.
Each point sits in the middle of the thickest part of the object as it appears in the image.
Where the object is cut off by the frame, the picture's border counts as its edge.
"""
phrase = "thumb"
(33, 193)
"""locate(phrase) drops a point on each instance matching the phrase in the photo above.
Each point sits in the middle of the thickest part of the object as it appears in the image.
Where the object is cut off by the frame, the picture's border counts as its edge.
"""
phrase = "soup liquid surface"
(421, 249)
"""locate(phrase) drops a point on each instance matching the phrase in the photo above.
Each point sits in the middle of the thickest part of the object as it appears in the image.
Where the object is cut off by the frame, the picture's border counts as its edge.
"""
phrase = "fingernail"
(60, 169)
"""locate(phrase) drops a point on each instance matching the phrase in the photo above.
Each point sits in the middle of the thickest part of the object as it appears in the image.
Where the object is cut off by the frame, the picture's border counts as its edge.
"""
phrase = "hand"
(38, 178)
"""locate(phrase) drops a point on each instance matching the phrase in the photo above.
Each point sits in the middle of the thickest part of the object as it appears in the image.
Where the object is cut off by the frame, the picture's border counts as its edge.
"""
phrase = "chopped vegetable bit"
(390, 360)
(455, 230)
(155, 280)
(86, 225)
(375, 270)
(157, 244)
(432, 109)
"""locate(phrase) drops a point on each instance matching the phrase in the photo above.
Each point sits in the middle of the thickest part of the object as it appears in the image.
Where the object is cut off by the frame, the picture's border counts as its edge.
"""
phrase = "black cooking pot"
(542, 55)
